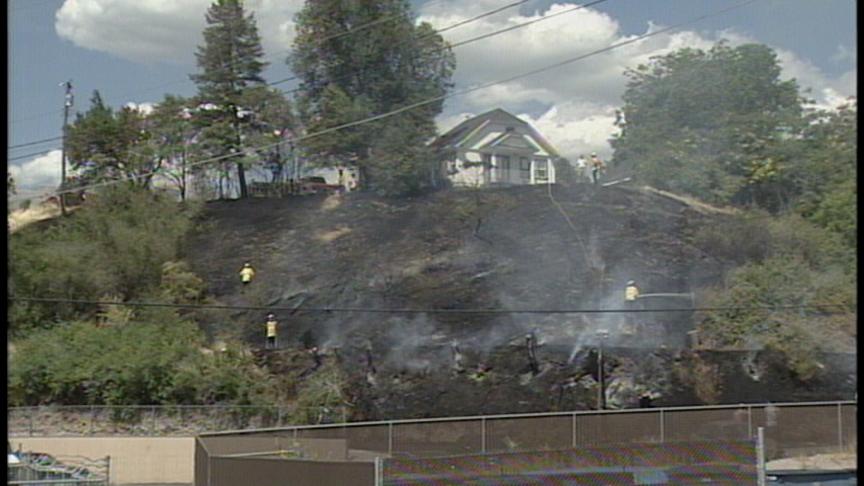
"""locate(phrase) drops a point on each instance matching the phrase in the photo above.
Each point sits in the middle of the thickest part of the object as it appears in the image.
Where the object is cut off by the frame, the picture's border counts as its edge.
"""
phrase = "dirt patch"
(20, 218)
(328, 236)
(819, 462)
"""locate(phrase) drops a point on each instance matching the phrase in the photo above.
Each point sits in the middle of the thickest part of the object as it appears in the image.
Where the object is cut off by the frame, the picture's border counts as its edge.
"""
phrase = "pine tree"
(230, 64)
(346, 76)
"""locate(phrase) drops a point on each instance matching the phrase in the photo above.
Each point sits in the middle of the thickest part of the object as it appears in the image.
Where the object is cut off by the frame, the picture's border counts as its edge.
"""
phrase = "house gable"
(494, 126)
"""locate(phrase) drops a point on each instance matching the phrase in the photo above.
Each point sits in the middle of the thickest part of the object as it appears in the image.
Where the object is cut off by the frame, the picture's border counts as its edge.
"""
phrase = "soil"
(507, 248)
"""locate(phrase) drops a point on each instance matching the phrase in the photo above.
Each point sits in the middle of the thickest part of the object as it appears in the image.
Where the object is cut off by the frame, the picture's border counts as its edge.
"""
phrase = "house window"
(541, 171)
(487, 160)
(525, 168)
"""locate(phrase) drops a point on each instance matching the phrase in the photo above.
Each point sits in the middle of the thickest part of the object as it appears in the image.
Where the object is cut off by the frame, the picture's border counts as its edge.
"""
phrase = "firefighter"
(597, 166)
(271, 331)
(480, 373)
(247, 273)
(316, 357)
(458, 360)
(530, 343)
(631, 297)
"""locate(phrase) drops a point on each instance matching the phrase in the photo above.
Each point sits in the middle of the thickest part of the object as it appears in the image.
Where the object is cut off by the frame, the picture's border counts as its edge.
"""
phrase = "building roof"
(462, 131)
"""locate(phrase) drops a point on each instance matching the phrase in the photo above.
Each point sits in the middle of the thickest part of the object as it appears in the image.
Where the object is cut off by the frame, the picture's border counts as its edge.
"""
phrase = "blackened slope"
(508, 248)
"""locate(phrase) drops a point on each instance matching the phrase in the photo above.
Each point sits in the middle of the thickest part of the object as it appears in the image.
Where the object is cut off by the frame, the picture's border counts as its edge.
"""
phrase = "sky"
(136, 51)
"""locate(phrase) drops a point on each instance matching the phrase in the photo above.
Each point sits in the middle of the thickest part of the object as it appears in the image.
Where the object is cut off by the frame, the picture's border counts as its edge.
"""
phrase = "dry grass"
(20, 218)
(328, 236)
(693, 203)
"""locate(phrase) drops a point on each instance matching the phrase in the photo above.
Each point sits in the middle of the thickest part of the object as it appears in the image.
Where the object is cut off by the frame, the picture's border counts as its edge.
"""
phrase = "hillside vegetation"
(777, 272)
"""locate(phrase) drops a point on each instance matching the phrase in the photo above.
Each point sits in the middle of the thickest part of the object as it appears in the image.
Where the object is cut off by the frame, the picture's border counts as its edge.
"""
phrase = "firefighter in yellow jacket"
(631, 297)
(247, 273)
(271, 331)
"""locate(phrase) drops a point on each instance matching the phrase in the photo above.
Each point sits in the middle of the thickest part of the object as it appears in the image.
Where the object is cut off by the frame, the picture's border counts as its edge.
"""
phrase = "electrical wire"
(438, 98)
(370, 310)
(348, 32)
(431, 34)
(35, 142)
(33, 154)
(483, 36)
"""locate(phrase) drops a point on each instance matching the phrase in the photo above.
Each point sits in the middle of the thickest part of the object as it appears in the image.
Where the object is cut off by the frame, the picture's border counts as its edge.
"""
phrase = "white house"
(496, 148)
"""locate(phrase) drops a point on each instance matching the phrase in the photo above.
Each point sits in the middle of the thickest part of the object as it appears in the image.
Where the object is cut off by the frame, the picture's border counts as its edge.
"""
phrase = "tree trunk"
(241, 171)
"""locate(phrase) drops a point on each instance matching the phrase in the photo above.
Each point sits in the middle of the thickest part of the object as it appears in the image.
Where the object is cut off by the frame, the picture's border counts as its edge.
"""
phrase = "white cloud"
(37, 174)
(573, 102)
(165, 30)
(573, 105)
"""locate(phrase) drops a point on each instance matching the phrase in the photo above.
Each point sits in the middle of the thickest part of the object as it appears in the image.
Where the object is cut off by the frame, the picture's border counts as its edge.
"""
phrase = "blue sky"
(138, 50)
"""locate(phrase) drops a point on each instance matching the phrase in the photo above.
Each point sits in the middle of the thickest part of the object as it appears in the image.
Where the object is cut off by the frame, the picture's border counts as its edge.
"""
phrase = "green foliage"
(113, 246)
(106, 145)
(803, 264)
(827, 170)
(180, 285)
(348, 78)
(155, 357)
(324, 390)
(705, 123)
(229, 65)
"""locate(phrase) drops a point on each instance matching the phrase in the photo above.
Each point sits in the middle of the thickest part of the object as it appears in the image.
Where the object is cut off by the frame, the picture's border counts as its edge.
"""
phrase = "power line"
(360, 28)
(483, 36)
(35, 142)
(524, 24)
(436, 98)
(19, 157)
(370, 310)
(436, 32)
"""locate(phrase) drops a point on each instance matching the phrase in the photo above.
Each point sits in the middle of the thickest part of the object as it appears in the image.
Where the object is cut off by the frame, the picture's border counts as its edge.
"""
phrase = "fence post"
(574, 429)
(107, 470)
(749, 421)
(390, 438)
(840, 425)
(662, 427)
(92, 418)
(760, 456)
(378, 479)
(30, 418)
(153, 421)
(483, 435)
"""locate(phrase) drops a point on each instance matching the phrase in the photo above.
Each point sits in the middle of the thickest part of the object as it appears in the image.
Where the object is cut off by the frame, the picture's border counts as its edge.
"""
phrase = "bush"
(115, 245)
(156, 358)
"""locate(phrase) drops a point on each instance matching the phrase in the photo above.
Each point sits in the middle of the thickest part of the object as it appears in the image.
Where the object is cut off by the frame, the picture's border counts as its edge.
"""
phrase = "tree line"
(342, 78)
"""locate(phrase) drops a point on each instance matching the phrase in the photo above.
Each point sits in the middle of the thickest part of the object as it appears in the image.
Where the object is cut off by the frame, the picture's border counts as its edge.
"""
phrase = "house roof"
(458, 134)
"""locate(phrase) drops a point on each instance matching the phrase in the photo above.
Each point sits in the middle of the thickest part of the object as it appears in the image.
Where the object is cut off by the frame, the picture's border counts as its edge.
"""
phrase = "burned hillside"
(521, 248)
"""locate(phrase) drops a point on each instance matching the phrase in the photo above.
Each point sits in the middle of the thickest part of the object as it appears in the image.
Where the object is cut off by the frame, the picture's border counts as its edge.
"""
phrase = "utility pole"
(601, 393)
(67, 103)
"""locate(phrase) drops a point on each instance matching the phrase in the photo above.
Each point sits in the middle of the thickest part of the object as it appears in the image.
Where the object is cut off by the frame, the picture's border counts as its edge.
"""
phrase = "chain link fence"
(406, 447)
(158, 420)
(41, 469)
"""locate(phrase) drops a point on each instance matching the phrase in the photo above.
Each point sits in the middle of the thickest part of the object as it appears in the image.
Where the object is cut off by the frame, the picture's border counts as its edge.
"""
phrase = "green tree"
(799, 264)
(708, 123)
(230, 63)
(106, 145)
(346, 77)
(113, 246)
(827, 170)
(173, 133)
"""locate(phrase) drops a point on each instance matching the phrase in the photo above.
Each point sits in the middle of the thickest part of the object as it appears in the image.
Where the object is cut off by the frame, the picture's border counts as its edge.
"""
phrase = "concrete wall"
(134, 460)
